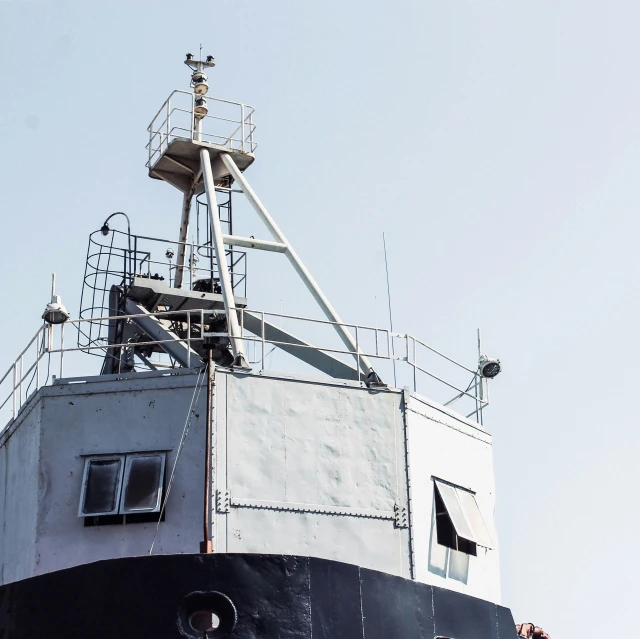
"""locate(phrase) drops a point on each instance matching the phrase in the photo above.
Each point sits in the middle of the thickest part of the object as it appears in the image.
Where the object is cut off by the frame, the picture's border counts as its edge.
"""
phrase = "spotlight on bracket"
(209, 58)
(189, 56)
(488, 367)
(55, 312)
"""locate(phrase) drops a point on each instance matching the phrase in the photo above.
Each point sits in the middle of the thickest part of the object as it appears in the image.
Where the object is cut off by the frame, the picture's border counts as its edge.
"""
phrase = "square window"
(143, 480)
(118, 487)
(101, 486)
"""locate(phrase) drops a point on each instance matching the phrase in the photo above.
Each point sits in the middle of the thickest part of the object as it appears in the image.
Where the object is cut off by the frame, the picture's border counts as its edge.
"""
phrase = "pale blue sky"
(495, 143)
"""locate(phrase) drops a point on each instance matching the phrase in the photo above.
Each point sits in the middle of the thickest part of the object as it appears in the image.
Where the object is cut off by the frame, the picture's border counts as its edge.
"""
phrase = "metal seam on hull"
(312, 508)
(405, 435)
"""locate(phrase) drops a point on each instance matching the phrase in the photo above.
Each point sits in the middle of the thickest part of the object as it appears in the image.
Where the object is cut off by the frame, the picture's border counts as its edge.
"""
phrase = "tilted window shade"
(465, 515)
(474, 518)
(101, 486)
(142, 487)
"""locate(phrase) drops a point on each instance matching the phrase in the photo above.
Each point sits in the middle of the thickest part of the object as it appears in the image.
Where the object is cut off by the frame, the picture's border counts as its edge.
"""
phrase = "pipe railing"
(34, 363)
(227, 124)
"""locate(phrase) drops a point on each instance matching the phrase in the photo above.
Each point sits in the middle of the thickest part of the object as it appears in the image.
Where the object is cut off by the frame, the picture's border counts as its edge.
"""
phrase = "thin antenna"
(479, 385)
(386, 266)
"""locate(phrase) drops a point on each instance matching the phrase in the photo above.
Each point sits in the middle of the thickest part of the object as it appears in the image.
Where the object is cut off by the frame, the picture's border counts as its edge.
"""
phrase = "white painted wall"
(285, 443)
(42, 479)
(310, 468)
(19, 493)
(446, 445)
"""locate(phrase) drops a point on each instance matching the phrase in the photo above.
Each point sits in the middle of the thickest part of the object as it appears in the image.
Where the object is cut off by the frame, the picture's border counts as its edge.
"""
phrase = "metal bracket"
(400, 513)
(223, 501)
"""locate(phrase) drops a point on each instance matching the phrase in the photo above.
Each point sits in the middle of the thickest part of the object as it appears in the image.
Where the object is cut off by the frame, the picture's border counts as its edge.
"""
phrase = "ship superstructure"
(188, 438)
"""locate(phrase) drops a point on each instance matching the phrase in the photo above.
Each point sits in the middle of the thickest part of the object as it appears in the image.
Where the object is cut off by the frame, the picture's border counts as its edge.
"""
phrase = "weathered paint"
(303, 467)
(265, 596)
(20, 490)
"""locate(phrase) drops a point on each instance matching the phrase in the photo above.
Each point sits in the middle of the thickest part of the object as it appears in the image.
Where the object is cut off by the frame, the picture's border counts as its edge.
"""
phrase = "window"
(122, 488)
(459, 523)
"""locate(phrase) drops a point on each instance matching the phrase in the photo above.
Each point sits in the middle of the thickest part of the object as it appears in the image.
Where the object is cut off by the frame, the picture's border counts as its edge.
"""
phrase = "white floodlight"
(488, 367)
(55, 313)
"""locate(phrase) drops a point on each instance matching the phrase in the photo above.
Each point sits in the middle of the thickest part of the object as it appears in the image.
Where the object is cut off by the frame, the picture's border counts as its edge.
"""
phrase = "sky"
(496, 145)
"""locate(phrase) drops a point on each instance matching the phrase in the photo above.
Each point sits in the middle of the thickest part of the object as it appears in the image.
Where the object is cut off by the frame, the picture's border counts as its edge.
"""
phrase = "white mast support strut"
(184, 234)
(239, 358)
(300, 268)
(250, 242)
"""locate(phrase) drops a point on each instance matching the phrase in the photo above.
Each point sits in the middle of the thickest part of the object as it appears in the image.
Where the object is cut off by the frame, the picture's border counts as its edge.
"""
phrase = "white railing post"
(415, 367)
(61, 351)
(189, 339)
(242, 126)
(13, 392)
(37, 363)
(168, 118)
(357, 352)
(20, 380)
(262, 339)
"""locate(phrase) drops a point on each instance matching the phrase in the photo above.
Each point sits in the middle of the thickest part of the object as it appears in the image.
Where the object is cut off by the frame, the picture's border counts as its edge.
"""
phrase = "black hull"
(255, 596)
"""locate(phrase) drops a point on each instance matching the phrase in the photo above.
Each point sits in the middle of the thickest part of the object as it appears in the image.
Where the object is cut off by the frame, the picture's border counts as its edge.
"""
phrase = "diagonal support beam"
(250, 242)
(298, 348)
(235, 336)
(300, 268)
(184, 234)
(155, 329)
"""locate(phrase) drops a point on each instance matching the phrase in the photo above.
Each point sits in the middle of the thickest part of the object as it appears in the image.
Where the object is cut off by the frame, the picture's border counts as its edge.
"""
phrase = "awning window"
(465, 522)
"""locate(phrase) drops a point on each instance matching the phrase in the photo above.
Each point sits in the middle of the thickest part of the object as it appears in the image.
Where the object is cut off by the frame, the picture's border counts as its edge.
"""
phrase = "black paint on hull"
(255, 596)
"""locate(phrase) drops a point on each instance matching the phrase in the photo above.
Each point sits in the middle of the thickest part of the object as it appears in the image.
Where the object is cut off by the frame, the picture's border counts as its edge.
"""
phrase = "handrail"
(22, 372)
(162, 131)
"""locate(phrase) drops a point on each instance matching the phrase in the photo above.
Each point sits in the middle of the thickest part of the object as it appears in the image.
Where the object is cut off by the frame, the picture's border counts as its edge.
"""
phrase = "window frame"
(125, 466)
(85, 480)
(126, 475)
(477, 533)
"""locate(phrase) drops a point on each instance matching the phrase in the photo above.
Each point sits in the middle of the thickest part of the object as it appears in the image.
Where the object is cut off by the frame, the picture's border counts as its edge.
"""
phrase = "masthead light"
(199, 83)
(200, 109)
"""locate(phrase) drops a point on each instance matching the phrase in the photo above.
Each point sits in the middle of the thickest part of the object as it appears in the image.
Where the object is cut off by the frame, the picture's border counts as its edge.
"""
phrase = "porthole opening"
(209, 615)
(204, 621)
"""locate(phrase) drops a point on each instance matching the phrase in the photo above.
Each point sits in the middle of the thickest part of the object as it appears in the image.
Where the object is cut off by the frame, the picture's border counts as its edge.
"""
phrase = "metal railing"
(409, 361)
(117, 258)
(227, 124)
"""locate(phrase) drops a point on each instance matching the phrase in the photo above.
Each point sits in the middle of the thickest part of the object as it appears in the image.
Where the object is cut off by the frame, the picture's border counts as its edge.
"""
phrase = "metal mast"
(200, 161)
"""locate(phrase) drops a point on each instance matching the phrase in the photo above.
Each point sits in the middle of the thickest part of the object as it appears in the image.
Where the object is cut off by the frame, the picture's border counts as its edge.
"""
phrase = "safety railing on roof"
(226, 124)
(117, 258)
(401, 360)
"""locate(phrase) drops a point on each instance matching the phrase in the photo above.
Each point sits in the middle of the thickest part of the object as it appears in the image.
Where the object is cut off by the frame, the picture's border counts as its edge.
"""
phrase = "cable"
(262, 359)
(185, 430)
